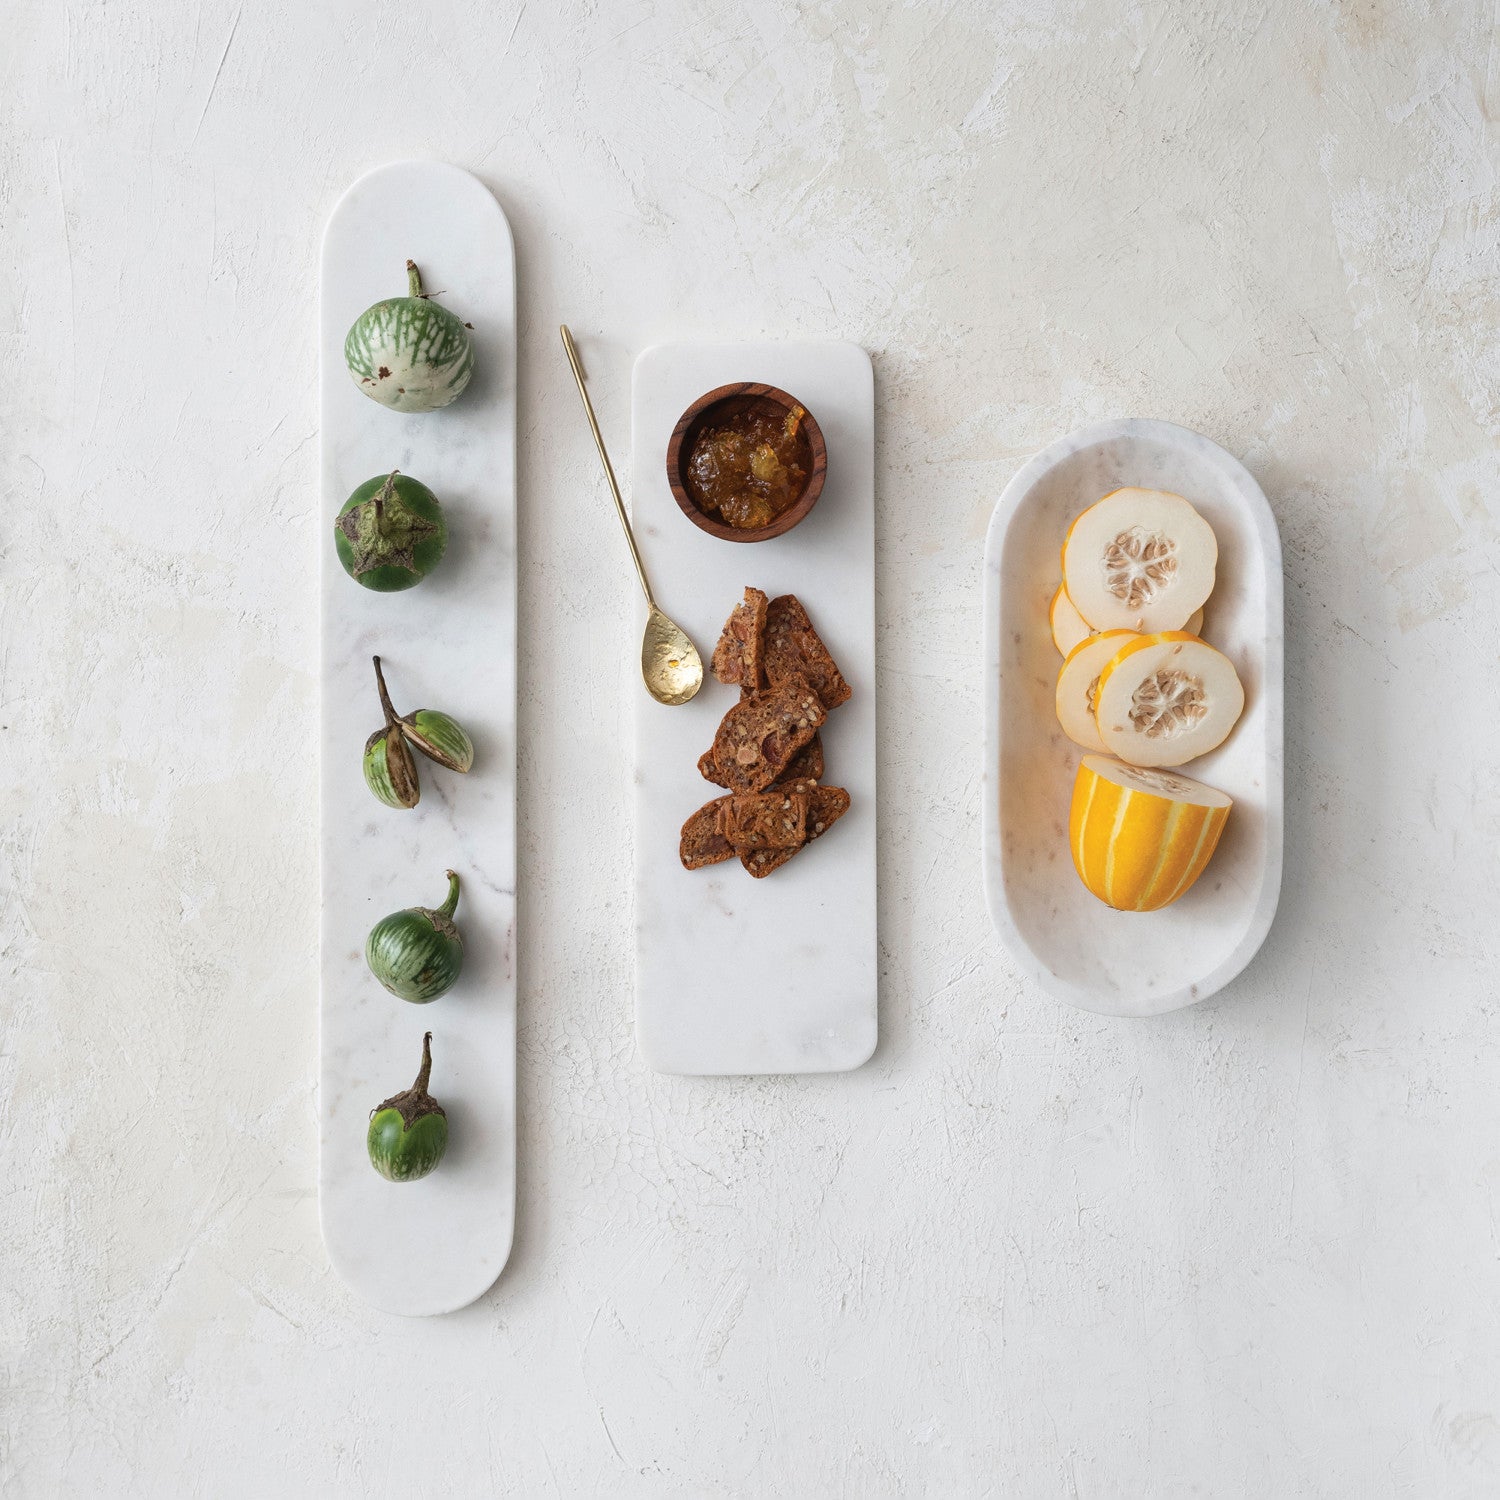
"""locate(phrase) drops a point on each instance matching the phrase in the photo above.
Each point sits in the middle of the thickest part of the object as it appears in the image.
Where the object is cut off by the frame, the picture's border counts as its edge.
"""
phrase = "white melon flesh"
(1068, 626)
(1139, 560)
(1078, 682)
(1156, 783)
(1166, 698)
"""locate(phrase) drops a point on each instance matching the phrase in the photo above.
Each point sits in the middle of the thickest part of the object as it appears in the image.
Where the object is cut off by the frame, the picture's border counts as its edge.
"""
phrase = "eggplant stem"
(451, 904)
(420, 1086)
(413, 279)
(391, 715)
(387, 492)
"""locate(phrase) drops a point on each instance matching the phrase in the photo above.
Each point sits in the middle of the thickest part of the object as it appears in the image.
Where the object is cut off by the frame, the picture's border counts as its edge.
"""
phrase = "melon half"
(1141, 560)
(1140, 838)
(1166, 698)
(1078, 684)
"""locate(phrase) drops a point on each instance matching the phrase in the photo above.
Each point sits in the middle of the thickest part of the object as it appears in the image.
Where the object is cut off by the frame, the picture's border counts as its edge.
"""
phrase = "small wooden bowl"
(742, 396)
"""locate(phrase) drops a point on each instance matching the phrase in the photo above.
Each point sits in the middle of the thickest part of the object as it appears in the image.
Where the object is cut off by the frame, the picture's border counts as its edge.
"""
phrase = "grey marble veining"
(450, 643)
(1075, 947)
(733, 974)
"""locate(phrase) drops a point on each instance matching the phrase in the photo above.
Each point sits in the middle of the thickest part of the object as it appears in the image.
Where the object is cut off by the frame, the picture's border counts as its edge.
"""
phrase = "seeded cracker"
(794, 649)
(760, 734)
(737, 657)
(776, 819)
(805, 765)
(702, 843)
(825, 806)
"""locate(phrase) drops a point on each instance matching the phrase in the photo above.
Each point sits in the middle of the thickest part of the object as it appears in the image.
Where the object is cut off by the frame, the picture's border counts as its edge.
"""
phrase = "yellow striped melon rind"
(1139, 849)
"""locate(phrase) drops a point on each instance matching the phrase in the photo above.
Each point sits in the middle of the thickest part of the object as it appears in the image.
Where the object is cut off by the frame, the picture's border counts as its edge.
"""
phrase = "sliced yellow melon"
(1068, 626)
(1140, 838)
(1140, 560)
(1194, 625)
(1078, 682)
(1165, 698)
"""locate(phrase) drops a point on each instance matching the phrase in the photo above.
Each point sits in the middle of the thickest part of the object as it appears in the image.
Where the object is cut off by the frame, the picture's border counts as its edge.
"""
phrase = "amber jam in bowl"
(746, 462)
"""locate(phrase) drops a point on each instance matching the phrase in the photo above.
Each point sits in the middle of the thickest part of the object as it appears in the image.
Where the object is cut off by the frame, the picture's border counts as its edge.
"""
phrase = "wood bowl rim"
(788, 518)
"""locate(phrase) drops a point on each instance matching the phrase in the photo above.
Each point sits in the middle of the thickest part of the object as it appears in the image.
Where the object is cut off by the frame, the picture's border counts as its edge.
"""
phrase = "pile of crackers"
(768, 754)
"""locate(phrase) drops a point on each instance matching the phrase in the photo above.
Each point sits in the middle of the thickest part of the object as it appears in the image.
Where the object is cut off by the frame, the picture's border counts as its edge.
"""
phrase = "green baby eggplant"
(391, 533)
(390, 771)
(408, 353)
(418, 953)
(409, 1132)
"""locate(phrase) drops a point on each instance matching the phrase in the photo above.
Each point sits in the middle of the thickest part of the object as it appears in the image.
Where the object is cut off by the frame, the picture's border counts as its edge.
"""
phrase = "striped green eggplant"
(390, 770)
(418, 954)
(440, 738)
(408, 353)
(391, 533)
(409, 1132)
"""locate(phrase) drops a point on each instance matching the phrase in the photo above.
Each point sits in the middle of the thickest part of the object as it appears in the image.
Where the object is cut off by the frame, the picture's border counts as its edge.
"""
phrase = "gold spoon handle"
(609, 468)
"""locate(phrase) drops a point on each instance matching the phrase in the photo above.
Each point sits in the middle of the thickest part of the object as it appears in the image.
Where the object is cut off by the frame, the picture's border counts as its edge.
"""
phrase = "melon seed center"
(1137, 564)
(1167, 702)
(1165, 781)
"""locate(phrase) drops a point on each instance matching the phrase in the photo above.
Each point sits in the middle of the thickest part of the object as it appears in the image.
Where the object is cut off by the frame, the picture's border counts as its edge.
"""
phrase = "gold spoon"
(670, 663)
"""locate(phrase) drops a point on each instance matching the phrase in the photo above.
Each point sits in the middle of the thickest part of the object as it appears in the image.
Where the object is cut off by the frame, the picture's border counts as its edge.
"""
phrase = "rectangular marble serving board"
(450, 643)
(1072, 945)
(733, 974)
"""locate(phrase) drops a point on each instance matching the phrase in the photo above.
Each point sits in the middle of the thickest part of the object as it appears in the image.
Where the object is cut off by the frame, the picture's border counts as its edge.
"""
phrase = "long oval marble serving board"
(1075, 947)
(450, 643)
(733, 974)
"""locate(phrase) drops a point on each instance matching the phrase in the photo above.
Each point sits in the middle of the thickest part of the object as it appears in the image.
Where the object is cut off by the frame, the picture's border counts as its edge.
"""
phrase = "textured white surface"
(734, 974)
(1248, 1248)
(449, 644)
(1075, 947)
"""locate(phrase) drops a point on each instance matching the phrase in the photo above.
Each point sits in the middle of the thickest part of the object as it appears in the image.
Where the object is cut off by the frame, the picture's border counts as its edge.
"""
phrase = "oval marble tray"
(430, 1246)
(1075, 947)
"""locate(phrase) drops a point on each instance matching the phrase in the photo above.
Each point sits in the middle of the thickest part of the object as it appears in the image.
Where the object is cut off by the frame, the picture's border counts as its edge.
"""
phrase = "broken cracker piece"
(760, 862)
(706, 768)
(702, 843)
(775, 819)
(737, 657)
(760, 734)
(794, 649)
(805, 765)
(825, 806)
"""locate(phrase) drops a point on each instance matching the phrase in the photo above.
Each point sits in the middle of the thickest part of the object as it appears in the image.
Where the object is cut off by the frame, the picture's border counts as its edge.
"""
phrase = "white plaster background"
(1249, 1249)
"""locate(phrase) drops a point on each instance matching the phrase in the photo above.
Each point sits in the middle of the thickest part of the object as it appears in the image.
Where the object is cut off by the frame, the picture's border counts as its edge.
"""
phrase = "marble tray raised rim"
(1013, 499)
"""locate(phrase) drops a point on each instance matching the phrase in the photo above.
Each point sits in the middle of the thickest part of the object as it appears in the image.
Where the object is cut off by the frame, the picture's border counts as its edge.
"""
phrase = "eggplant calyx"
(441, 917)
(384, 531)
(415, 1103)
